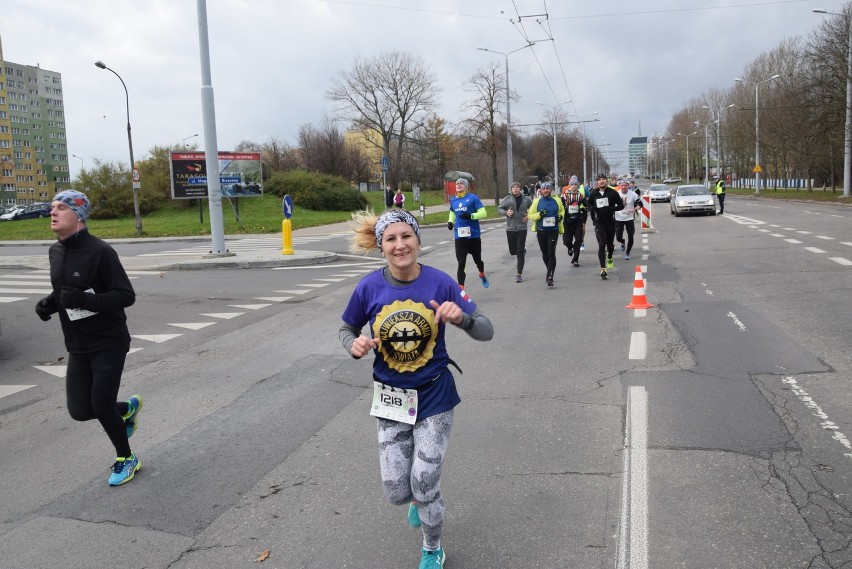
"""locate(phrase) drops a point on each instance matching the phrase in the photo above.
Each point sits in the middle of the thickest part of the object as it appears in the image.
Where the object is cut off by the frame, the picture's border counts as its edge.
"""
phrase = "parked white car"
(11, 212)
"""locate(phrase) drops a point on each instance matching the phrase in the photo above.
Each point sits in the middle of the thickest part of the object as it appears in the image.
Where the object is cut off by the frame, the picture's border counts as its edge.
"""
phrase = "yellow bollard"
(286, 237)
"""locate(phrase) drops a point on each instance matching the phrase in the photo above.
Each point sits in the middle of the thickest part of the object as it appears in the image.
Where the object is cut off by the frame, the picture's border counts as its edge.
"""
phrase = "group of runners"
(612, 210)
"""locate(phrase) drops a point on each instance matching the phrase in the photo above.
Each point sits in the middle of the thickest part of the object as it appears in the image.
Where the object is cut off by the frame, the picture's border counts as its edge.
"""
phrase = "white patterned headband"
(394, 216)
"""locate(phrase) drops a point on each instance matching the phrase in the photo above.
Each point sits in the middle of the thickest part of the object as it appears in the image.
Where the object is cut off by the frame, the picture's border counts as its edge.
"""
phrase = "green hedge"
(317, 192)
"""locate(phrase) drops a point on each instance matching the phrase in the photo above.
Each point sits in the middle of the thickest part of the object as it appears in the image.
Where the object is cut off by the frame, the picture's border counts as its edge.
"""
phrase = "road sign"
(385, 163)
(757, 169)
(287, 206)
(137, 177)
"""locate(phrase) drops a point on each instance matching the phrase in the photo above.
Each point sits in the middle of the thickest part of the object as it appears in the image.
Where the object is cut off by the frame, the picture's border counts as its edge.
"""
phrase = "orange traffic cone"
(639, 298)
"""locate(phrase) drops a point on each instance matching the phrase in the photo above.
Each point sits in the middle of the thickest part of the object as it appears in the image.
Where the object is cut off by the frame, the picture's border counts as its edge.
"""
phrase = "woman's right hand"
(363, 345)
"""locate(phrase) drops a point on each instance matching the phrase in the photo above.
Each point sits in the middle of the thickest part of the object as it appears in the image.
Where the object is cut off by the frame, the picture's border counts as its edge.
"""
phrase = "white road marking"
(12, 298)
(134, 350)
(314, 285)
(58, 371)
(6, 390)
(302, 291)
(29, 290)
(737, 321)
(848, 244)
(633, 540)
(841, 261)
(794, 241)
(825, 237)
(819, 413)
(274, 298)
(156, 338)
(337, 280)
(805, 232)
(763, 230)
(814, 250)
(22, 283)
(191, 325)
(223, 315)
(638, 346)
(777, 234)
(249, 306)
(789, 229)
(640, 312)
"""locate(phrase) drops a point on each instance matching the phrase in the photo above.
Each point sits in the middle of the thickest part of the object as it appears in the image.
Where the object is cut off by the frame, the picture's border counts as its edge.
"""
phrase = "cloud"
(272, 61)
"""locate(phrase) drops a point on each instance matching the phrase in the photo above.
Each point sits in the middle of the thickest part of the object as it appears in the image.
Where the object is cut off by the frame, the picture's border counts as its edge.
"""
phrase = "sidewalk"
(241, 260)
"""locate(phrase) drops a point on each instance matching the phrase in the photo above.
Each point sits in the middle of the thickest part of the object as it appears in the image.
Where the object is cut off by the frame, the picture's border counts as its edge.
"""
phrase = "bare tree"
(278, 156)
(388, 94)
(481, 115)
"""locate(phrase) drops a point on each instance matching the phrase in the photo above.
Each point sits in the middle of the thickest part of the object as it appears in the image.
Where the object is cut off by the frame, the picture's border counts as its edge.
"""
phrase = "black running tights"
(91, 385)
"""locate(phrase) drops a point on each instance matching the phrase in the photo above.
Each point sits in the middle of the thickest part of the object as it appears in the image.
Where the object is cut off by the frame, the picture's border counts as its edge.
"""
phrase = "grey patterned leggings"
(410, 457)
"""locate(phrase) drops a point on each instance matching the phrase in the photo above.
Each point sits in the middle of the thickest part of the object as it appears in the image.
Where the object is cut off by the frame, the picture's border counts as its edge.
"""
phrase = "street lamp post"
(666, 146)
(81, 161)
(553, 124)
(687, 151)
(130, 145)
(757, 168)
(187, 138)
(847, 152)
(510, 165)
(720, 163)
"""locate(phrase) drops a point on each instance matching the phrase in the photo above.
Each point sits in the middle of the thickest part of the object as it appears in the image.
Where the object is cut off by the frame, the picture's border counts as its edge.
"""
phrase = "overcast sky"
(635, 63)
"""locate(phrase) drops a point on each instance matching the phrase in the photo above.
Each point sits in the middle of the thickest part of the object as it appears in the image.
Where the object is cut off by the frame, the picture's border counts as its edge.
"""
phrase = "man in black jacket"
(604, 201)
(90, 292)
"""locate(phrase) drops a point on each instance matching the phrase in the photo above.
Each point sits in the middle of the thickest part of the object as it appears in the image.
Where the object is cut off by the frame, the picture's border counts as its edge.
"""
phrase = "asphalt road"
(255, 433)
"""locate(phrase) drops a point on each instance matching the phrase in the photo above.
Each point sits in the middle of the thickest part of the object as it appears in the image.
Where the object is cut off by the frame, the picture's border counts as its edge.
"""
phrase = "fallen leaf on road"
(262, 557)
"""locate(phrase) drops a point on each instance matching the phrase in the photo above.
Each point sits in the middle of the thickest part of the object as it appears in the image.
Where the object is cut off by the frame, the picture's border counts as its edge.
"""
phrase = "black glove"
(450, 225)
(559, 219)
(542, 212)
(71, 297)
(42, 309)
(464, 215)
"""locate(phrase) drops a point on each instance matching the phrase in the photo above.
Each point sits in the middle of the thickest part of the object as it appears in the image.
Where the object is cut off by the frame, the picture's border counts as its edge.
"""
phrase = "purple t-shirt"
(413, 352)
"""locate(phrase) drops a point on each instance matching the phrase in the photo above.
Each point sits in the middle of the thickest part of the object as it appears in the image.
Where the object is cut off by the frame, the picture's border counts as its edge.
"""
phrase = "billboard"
(239, 175)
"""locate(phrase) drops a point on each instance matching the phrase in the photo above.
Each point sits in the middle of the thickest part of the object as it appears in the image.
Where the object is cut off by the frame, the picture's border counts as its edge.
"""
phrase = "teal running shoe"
(131, 419)
(433, 559)
(413, 516)
(485, 283)
(124, 470)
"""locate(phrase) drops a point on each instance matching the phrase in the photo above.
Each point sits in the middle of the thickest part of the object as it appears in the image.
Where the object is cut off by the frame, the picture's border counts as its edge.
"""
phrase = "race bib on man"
(573, 208)
(394, 403)
(464, 231)
(602, 202)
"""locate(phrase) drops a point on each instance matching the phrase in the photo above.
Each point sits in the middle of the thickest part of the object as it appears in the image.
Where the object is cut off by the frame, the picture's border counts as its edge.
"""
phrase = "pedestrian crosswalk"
(246, 244)
(33, 284)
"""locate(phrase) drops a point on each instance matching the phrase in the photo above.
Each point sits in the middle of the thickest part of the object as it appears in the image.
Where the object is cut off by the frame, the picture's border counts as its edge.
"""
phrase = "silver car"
(660, 193)
(692, 199)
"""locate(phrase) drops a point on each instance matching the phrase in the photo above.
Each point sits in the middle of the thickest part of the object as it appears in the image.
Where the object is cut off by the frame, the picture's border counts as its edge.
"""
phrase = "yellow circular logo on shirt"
(406, 331)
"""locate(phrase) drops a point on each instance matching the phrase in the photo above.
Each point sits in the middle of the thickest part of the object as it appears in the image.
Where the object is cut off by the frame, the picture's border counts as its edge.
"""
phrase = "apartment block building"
(33, 145)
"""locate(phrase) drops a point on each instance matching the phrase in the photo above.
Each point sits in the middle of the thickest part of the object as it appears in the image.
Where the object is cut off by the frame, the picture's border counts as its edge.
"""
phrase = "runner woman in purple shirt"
(407, 307)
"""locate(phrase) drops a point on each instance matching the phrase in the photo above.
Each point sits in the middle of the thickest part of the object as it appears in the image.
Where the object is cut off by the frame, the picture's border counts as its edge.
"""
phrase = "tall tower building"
(33, 147)
(638, 155)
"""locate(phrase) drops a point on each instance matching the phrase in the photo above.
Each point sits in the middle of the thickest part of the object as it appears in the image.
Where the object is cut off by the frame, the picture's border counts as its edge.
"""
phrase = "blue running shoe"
(413, 516)
(131, 419)
(433, 559)
(124, 470)
(485, 283)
